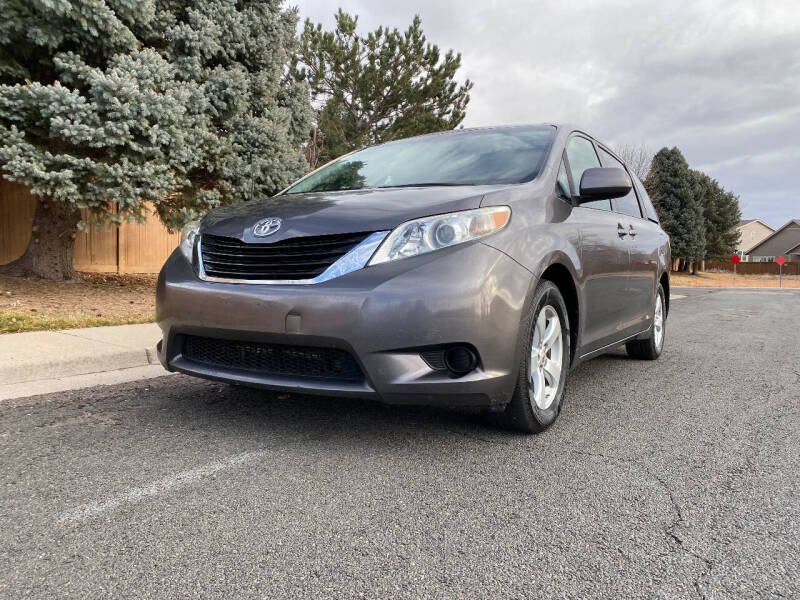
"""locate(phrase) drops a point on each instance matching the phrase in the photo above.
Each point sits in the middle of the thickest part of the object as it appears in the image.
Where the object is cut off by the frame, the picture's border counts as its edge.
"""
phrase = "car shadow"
(349, 412)
(184, 403)
(180, 402)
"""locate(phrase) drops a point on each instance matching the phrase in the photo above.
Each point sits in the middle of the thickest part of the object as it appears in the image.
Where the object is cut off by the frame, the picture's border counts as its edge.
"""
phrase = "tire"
(533, 407)
(650, 349)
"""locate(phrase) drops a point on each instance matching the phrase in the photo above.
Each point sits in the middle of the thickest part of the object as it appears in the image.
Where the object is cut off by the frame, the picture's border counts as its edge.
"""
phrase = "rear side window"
(627, 205)
(649, 209)
(581, 156)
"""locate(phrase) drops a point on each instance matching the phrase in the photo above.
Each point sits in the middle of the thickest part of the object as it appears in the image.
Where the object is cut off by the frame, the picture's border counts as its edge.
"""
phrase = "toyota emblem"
(266, 227)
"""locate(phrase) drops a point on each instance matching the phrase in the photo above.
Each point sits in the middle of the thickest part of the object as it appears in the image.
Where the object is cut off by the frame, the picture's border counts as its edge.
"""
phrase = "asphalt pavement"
(671, 479)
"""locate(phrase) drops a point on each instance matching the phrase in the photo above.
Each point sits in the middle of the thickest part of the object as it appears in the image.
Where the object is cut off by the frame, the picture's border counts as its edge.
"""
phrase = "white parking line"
(184, 478)
(677, 296)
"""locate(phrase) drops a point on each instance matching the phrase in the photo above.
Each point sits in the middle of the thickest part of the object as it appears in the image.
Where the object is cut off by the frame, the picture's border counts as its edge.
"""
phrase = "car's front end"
(381, 331)
(380, 293)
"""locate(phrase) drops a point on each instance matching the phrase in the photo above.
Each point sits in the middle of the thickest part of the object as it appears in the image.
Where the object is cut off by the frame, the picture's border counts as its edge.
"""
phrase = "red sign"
(735, 259)
(781, 260)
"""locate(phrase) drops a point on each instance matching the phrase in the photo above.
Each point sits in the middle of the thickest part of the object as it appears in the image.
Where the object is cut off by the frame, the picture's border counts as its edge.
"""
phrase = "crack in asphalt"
(669, 531)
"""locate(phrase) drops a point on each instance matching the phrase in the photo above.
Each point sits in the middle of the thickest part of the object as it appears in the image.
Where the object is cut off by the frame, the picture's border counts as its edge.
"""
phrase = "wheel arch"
(664, 281)
(561, 276)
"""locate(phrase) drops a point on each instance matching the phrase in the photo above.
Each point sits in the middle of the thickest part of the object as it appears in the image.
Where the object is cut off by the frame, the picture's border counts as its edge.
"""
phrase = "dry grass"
(17, 322)
(717, 279)
(96, 300)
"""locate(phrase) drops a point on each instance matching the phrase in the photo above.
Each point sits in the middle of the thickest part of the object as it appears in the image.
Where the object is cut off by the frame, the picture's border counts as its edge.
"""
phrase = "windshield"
(477, 157)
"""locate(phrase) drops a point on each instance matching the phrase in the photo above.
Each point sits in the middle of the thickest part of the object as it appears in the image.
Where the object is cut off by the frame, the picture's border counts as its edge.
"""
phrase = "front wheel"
(544, 368)
(650, 348)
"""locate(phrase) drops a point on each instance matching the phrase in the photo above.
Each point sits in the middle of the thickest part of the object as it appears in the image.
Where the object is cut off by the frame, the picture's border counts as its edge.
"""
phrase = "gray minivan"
(474, 267)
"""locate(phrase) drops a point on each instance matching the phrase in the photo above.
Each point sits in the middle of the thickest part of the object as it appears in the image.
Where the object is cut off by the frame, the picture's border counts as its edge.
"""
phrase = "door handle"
(632, 232)
(621, 230)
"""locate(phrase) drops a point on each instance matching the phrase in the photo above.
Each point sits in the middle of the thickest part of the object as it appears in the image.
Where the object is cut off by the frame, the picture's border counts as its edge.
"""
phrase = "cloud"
(720, 79)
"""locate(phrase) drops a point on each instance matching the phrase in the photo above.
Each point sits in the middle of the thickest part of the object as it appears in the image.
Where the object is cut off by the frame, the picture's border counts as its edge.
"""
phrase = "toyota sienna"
(473, 267)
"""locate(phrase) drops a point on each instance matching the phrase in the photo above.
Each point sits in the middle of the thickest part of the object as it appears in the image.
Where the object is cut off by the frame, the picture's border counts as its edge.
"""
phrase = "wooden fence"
(755, 268)
(129, 248)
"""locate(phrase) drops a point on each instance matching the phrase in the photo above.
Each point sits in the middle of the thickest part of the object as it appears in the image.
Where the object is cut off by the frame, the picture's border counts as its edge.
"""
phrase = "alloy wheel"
(658, 323)
(547, 355)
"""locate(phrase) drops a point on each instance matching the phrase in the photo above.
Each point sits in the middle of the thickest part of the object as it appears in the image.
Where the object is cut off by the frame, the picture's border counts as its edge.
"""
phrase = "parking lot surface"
(671, 479)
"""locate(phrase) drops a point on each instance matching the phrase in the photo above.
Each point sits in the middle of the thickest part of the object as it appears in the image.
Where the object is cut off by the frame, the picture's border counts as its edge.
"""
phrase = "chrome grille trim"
(356, 258)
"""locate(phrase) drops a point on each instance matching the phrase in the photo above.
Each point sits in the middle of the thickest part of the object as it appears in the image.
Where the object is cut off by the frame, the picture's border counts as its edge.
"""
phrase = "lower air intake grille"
(435, 359)
(290, 259)
(302, 362)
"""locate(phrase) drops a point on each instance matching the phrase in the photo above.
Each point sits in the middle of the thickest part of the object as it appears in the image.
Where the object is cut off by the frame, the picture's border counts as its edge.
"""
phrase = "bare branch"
(638, 158)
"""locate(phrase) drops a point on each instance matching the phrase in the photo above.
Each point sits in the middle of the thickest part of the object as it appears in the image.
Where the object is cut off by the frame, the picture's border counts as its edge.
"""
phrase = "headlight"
(440, 231)
(188, 236)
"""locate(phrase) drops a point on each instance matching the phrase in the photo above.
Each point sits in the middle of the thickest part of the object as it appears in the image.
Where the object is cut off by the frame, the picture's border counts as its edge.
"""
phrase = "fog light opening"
(460, 360)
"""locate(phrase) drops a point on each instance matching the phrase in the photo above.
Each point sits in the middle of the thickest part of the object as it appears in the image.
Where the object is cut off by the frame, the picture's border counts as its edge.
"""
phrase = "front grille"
(303, 362)
(291, 259)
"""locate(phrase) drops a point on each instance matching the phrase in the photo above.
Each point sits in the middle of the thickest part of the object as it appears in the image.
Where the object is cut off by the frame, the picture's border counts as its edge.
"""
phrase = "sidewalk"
(36, 356)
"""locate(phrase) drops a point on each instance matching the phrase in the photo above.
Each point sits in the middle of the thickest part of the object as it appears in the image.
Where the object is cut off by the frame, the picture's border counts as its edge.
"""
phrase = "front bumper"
(382, 315)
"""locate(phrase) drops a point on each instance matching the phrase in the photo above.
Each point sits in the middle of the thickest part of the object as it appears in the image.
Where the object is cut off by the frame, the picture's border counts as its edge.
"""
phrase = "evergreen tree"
(383, 86)
(180, 103)
(720, 215)
(727, 216)
(673, 190)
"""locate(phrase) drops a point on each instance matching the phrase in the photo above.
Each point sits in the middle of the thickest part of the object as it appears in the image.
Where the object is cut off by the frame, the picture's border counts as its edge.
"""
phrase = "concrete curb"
(15, 391)
(46, 355)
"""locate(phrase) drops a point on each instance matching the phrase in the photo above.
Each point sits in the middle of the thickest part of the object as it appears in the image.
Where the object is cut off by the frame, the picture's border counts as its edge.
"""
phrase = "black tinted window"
(649, 209)
(463, 158)
(627, 205)
(581, 156)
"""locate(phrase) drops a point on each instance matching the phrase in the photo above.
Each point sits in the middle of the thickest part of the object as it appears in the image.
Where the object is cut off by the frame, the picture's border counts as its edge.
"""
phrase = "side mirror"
(604, 183)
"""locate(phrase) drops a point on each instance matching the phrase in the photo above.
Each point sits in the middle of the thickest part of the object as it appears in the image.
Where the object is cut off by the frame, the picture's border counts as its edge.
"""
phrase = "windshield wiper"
(430, 184)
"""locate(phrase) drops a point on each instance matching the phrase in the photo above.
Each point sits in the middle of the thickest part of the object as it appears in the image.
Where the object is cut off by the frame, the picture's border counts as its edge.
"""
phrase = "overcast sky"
(718, 79)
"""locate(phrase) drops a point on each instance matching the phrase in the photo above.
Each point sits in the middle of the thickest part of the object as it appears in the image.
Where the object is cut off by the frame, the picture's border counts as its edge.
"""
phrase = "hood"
(324, 213)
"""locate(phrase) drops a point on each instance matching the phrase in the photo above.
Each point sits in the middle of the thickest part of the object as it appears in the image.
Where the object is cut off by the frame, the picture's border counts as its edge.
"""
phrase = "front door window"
(581, 156)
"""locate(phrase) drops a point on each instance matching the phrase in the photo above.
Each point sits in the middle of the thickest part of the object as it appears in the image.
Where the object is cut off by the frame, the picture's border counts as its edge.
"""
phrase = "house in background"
(784, 242)
(753, 232)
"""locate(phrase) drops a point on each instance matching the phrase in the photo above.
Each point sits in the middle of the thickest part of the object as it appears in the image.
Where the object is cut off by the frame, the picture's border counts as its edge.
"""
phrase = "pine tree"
(673, 190)
(183, 104)
(726, 236)
(721, 214)
(383, 86)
